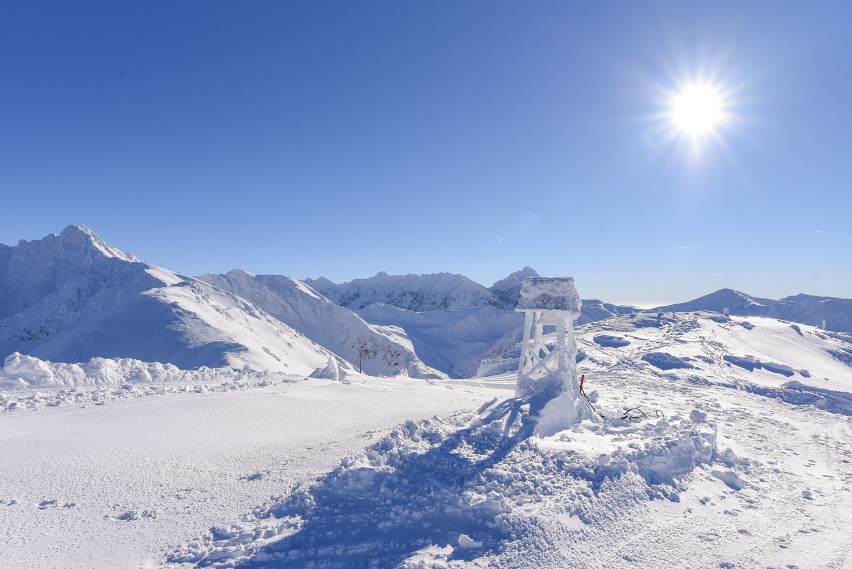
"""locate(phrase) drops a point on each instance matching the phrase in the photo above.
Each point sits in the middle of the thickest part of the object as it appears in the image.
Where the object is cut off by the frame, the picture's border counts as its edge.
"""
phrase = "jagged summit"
(76, 243)
(508, 290)
(82, 235)
(73, 296)
(418, 293)
(424, 292)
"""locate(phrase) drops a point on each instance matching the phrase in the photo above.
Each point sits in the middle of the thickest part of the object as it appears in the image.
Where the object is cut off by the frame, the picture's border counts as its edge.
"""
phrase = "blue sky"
(345, 138)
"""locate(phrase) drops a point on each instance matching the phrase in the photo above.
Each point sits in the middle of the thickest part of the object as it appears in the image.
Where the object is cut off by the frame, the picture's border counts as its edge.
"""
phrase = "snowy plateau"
(154, 419)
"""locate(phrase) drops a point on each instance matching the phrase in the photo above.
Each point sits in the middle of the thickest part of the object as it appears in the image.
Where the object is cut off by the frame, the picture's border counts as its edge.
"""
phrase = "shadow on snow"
(363, 517)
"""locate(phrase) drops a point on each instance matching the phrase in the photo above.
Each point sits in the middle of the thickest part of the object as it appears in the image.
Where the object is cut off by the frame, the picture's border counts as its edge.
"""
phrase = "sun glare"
(697, 110)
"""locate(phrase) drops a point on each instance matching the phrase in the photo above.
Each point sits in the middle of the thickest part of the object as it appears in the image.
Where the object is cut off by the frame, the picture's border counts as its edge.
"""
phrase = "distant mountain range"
(72, 296)
(836, 313)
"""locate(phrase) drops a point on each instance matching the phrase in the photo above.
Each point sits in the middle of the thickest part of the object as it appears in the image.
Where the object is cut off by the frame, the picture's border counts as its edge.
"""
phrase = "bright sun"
(697, 110)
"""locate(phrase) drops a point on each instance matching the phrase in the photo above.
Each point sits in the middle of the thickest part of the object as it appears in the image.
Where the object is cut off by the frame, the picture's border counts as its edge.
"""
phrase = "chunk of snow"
(330, 371)
(466, 542)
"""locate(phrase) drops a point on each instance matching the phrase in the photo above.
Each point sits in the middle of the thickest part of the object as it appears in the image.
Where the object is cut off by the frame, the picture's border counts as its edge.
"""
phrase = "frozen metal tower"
(549, 375)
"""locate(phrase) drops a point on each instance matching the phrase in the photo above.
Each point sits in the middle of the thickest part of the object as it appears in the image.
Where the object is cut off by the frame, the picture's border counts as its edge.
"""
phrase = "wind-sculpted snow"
(30, 383)
(439, 491)
(666, 361)
(751, 364)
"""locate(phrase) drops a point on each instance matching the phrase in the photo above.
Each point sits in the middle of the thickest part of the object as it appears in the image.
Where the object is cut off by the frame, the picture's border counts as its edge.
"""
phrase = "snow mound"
(20, 371)
(438, 491)
(610, 341)
(751, 364)
(330, 371)
(662, 360)
(26, 372)
(30, 383)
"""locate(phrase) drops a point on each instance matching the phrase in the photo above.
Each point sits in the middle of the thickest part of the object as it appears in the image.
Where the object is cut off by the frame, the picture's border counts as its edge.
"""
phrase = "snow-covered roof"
(546, 293)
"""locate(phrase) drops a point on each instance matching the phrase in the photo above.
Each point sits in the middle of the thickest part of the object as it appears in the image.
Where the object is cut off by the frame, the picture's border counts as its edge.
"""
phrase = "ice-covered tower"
(548, 376)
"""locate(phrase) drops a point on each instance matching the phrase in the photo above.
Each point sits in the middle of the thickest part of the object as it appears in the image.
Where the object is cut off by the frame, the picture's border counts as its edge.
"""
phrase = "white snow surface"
(708, 466)
(118, 481)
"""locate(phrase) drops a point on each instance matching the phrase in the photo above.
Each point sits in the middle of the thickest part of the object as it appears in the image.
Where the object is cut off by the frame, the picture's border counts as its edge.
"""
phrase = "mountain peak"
(82, 235)
(508, 290)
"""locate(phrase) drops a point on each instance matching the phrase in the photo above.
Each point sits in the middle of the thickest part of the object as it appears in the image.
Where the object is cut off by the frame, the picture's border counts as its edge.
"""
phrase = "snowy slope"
(716, 466)
(72, 297)
(453, 341)
(419, 293)
(116, 483)
(724, 464)
(717, 349)
(802, 308)
(334, 327)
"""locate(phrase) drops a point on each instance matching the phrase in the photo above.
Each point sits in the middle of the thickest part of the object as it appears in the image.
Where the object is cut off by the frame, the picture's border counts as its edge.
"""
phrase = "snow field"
(725, 467)
(725, 478)
(116, 485)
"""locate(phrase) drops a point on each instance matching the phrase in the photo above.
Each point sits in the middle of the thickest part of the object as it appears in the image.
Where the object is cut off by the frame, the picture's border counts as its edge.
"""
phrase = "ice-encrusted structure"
(548, 376)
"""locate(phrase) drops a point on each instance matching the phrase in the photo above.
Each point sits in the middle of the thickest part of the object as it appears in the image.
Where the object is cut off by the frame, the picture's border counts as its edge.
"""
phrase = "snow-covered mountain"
(453, 341)
(334, 327)
(418, 293)
(802, 308)
(707, 431)
(72, 297)
(508, 290)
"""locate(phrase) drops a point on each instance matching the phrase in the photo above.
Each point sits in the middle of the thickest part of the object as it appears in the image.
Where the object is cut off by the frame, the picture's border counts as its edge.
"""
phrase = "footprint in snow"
(130, 516)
